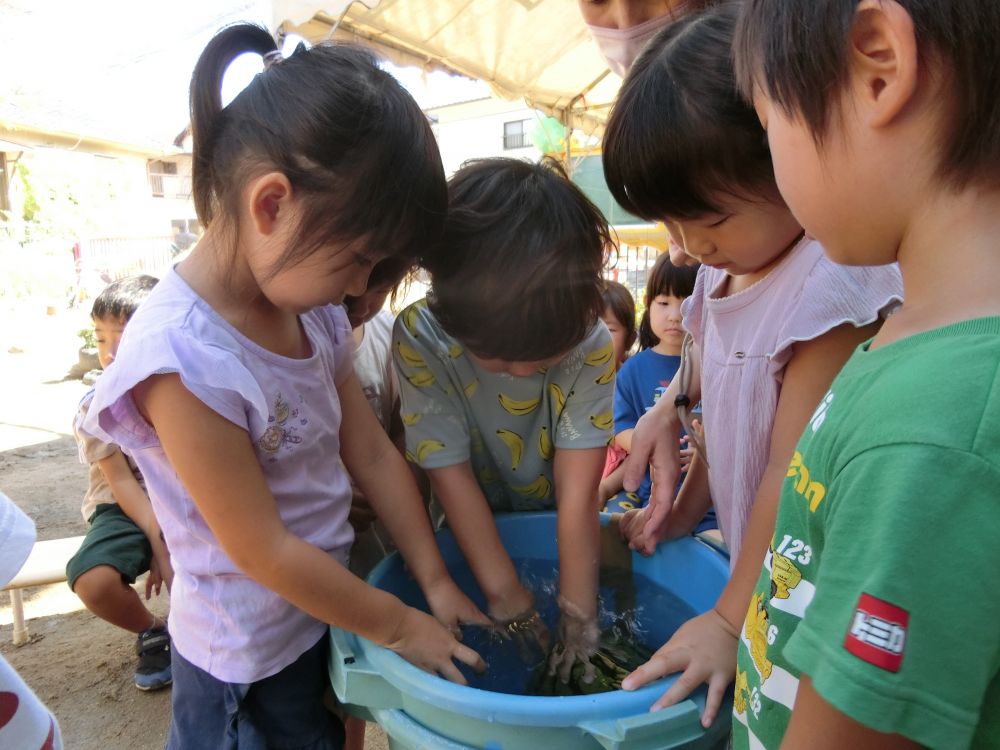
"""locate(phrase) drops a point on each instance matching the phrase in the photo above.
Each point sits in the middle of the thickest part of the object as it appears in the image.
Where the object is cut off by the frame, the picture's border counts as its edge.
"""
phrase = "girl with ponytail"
(234, 391)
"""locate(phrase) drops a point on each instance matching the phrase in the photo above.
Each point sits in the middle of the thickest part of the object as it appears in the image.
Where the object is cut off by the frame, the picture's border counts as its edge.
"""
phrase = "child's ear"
(270, 202)
(883, 62)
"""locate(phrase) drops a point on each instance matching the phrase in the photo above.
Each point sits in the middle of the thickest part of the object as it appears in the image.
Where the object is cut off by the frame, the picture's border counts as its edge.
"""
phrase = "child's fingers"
(467, 656)
(687, 682)
(476, 617)
(717, 689)
(450, 672)
(663, 662)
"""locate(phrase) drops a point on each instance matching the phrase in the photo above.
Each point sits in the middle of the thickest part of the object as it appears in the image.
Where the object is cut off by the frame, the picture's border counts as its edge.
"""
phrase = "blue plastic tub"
(420, 711)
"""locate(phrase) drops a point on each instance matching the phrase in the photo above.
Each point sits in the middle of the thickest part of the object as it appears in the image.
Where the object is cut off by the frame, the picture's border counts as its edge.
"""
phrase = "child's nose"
(697, 246)
(359, 283)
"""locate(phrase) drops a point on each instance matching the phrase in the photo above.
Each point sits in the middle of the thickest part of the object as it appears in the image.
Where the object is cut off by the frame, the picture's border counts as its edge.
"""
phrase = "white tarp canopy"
(536, 49)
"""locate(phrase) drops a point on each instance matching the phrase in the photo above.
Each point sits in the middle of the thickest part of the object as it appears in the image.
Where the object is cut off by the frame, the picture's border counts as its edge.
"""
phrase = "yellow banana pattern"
(558, 398)
(524, 423)
(409, 355)
(545, 448)
(427, 447)
(515, 444)
(487, 475)
(603, 421)
(600, 357)
(541, 488)
(421, 379)
(410, 320)
(518, 408)
(608, 375)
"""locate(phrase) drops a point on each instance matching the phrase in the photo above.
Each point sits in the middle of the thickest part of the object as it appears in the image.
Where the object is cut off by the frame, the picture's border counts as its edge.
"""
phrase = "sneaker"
(153, 670)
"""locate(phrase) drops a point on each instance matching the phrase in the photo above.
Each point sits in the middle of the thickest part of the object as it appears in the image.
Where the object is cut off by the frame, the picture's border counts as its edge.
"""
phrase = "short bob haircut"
(680, 135)
(667, 279)
(517, 275)
(120, 299)
(798, 54)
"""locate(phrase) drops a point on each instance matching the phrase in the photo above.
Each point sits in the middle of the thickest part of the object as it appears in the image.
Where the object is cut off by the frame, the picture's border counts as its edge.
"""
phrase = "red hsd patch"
(877, 633)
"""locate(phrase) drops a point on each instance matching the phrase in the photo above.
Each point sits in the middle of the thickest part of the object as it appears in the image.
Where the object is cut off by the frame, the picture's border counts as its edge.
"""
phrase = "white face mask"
(620, 47)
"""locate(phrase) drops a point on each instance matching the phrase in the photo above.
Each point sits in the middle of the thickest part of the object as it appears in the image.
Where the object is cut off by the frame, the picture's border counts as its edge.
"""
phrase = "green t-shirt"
(508, 427)
(881, 583)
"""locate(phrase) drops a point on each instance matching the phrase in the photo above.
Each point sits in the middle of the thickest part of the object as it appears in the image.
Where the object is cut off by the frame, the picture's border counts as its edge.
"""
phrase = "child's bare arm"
(807, 377)
(128, 493)
(696, 652)
(576, 472)
(385, 479)
(611, 485)
(471, 520)
(216, 462)
(624, 440)
(134, 502)
(817, 725)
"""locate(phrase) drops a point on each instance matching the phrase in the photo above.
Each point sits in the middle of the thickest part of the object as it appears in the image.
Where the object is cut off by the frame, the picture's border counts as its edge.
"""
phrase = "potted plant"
(87, 360)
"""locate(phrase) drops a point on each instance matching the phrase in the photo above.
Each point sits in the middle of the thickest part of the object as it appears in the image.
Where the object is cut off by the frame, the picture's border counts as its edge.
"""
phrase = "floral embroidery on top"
(278, 432)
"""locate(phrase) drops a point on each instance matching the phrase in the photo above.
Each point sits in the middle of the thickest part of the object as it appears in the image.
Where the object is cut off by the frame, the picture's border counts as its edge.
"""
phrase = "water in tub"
(632, 606)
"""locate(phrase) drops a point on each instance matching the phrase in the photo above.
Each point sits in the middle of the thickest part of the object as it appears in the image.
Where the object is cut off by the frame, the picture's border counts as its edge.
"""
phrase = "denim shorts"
(279, 712)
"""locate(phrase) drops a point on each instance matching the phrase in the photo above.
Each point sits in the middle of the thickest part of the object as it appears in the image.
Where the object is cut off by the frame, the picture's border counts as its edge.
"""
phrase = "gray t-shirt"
(508, 427)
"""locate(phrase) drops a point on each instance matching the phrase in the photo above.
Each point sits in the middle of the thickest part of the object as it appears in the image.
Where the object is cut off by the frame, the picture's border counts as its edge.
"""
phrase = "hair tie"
(272, 58)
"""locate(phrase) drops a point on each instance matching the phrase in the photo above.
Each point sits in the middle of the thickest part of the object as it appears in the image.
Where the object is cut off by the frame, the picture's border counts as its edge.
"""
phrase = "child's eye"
(720, 222)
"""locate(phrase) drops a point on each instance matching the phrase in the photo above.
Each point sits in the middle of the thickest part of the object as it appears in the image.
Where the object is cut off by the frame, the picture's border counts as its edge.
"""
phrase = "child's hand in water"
(578, 637)
(426, 643)
(453, 608)
(517, 619)
(704, 650)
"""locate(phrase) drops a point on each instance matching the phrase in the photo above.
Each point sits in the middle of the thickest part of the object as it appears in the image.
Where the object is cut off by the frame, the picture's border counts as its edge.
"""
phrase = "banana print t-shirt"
(508, 427)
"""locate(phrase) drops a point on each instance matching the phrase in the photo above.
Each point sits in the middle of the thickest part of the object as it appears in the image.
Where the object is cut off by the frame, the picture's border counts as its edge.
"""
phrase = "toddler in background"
(619, 317)
(123, 538)
(507, 374)
(234, 390)
(772, 318)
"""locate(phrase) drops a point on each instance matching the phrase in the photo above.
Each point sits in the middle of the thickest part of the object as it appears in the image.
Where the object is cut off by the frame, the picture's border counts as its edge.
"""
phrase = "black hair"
(664, 278)
(397, 271)
(356, 148)
(798, 53)
(517, 274)
(680, 134)
(619, 299)
(119, 299)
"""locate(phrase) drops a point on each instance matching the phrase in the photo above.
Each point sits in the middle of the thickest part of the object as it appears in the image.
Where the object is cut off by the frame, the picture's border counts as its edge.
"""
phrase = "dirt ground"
(80, 666)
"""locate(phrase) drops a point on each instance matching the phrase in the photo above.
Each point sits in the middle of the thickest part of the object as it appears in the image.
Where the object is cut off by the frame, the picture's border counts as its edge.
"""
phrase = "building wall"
(474, 129)
(89, 195)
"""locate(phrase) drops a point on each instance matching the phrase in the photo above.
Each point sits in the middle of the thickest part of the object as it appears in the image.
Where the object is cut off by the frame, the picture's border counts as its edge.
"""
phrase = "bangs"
(680, 135)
